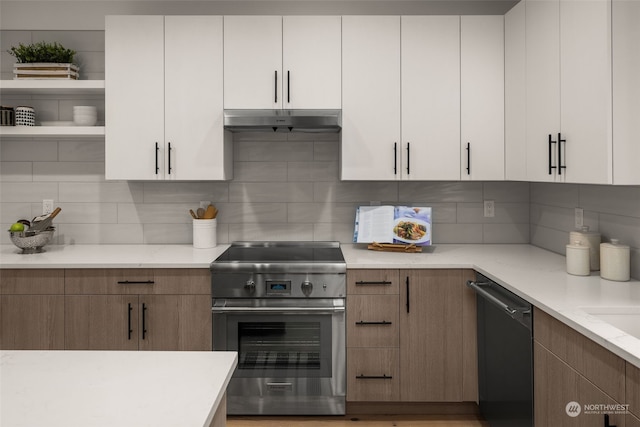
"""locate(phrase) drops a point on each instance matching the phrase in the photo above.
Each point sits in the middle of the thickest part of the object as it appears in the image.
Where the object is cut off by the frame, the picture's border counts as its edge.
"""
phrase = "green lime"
(17, 227)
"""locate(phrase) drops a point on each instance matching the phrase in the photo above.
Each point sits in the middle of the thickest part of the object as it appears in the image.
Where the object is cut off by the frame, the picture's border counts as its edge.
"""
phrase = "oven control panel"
(278, 287)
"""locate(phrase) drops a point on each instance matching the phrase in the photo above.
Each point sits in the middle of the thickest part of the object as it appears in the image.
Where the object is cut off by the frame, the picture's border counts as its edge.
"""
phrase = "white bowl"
(85, 121)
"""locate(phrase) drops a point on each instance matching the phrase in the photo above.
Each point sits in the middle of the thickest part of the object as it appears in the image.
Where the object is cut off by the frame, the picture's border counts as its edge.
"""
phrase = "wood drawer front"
(372, 282)
(182, 281)
(373, 310)
(32, 281)
(596, 363)
(113, 281)
(633, 389)
(372, 362)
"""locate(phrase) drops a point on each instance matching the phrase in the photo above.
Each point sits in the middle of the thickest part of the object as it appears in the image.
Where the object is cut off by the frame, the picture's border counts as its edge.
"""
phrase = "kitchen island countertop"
(535, 274)
(113, 388)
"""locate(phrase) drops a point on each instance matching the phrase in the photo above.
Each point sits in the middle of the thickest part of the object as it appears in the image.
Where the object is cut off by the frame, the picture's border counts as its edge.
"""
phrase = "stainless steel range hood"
(311, 121)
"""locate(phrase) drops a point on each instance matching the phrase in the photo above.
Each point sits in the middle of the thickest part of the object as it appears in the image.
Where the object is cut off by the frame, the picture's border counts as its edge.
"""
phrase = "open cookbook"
(393, 224)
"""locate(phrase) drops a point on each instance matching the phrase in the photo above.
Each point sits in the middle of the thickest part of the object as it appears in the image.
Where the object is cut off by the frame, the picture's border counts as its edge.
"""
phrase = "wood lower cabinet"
(418, 342)
(119, 309)
(632, 388)
(32, 309)
(432, 337)
(569, 367)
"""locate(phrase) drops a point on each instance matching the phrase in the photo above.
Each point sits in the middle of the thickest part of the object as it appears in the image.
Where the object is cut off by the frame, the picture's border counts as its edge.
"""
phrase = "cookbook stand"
(394, 247)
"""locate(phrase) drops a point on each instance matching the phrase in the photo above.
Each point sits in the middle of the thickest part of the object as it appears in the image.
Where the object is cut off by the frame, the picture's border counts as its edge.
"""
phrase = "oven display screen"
(279, 287)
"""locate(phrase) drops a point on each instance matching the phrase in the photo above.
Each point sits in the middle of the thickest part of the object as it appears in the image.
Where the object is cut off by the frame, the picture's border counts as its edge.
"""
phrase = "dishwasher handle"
(516, 313)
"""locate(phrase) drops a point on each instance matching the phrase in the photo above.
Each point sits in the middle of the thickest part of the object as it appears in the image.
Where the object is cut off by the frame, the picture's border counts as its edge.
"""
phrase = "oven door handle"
(277, 309)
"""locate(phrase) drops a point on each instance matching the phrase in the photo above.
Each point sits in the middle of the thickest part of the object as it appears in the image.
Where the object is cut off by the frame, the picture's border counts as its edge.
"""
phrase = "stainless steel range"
(281, 306)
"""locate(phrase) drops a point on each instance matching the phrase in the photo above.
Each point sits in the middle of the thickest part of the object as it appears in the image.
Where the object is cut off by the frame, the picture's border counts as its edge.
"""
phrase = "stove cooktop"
(281, 256)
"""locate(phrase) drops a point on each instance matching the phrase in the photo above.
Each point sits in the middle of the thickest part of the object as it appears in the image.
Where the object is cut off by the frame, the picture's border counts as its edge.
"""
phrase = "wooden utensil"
(44, 223)
(200, 213)
(209, 213)
(193, 214)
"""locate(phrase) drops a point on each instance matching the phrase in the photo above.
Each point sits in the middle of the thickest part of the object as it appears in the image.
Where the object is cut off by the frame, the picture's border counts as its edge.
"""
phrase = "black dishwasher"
(505, 355)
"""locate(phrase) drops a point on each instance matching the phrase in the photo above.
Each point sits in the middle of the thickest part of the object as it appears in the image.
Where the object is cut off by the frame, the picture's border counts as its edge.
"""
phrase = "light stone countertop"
(535, 274)
(112, 388)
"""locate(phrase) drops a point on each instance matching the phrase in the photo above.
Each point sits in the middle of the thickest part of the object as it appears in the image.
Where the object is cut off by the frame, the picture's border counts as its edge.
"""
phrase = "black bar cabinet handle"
(374, 377)
(144, 320)
(408, 159)
(383, 322)
(606, 421)
(560, 165)
(276, 85)
(407, 282)
(551, 142)
(129, 330)
(136, 282)
(364, 283)
(468, 158)
(395, 158)
(169, 155)
(288, 86)
(157, 167)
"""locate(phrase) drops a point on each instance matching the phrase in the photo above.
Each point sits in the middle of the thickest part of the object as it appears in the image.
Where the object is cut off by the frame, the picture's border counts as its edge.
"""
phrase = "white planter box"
(45, 71)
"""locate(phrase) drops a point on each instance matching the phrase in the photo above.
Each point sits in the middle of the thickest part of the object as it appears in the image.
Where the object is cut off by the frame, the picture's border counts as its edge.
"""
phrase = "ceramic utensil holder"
(204, 233)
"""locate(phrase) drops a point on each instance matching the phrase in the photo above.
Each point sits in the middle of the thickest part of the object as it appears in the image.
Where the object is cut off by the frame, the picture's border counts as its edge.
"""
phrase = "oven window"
(289, 345)
(279, 345)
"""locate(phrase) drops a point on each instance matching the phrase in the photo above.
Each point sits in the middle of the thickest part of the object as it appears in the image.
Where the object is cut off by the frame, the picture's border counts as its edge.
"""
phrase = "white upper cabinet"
(568, 91)
(163, 97)
(482, 97)
(312, 62)
(370, 147)
(273, 62)
(515, 101)
(430, 52)
(626, 92)
(585, 91)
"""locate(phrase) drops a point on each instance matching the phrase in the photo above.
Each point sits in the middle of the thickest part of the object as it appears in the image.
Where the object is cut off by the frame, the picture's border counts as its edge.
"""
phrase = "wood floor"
(360, 421)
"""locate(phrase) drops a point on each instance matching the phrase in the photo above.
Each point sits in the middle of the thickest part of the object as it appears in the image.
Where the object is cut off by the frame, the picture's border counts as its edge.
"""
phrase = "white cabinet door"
(626, 92)
(542, 88)
(430, 97)
(515, 84)
(194, 139)
(134, 97)
(585, 91)
(163, 101)
(312, 64)
(370, 98)
(253, 62)
(482, 97)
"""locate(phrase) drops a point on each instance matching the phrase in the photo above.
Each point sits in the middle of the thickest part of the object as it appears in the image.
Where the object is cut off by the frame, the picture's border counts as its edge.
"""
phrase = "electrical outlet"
(489, 209)
(47, 206)
(579, 218)
(204, 204)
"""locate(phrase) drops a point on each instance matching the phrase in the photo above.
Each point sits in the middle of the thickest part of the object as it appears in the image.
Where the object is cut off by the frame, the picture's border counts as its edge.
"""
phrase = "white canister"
(578, 259)
(615, 261)
(591, 239)
(204, 233)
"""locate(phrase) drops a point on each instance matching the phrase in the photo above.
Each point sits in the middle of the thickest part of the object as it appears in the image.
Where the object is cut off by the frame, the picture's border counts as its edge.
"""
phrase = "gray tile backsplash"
(614, 211)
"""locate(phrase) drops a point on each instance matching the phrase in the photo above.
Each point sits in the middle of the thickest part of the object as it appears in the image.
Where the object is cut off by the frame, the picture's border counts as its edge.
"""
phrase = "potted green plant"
(44, 60)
